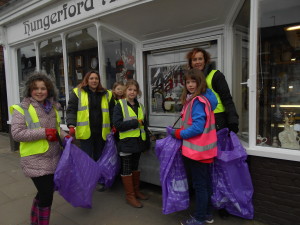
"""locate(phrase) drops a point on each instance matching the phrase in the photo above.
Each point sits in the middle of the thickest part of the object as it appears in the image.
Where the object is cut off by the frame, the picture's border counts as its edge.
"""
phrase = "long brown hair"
(198, 76)
(190, 55)
(85, 81)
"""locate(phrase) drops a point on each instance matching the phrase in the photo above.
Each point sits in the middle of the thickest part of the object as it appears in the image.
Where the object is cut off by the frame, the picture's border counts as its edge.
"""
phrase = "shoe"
(192, 221)
(100, 187)
(209, 219)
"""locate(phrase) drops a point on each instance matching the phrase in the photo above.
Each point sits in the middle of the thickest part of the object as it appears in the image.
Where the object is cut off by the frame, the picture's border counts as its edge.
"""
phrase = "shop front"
(254, 43)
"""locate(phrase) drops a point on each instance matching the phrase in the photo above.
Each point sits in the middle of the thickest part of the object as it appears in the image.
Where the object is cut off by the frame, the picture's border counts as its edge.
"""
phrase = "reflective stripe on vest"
(83, 130)
(32, 122)
(204, 145)
(220, 108)
(129, 114)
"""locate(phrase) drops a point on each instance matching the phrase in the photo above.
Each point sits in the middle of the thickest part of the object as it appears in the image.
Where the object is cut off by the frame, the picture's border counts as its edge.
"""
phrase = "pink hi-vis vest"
(202, 147)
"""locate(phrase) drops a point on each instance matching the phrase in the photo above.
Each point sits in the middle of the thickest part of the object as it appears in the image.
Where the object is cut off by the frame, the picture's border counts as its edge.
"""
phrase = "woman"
(225, 113)
(35, 124)
(129, 121)
(89, 113)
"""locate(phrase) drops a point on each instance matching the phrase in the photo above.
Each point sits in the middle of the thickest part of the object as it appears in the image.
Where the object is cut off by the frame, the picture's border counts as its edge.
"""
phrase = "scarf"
(47, 106)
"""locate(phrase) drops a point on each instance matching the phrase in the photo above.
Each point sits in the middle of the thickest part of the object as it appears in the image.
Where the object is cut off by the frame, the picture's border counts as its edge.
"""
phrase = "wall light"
(297, 27)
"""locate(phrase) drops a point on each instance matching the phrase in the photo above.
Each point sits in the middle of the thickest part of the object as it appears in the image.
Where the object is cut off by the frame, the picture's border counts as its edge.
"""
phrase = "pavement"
(109, 207)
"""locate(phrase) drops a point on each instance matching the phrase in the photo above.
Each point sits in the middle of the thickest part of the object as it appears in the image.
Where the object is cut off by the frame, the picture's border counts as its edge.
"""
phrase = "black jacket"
(229, 118)
(95, 113)
(129, 145)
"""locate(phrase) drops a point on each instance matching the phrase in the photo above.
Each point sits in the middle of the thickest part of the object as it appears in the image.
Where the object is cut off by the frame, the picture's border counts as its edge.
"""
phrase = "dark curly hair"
(40, 76)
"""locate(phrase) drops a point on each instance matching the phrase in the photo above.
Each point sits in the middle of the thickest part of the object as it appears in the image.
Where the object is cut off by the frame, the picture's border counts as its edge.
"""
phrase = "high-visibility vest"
(129, 114)
(202, 146)
(83, 130)
(220, 107)
(33, 122)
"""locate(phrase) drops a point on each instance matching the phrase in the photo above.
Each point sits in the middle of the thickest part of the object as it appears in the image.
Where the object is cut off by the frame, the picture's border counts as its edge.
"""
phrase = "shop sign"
(64, 13)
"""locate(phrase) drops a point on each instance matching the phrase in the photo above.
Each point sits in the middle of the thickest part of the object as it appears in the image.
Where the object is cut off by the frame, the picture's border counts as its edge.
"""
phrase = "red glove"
(51, 134)
(72, 131)
(68, 136)
(114, 130)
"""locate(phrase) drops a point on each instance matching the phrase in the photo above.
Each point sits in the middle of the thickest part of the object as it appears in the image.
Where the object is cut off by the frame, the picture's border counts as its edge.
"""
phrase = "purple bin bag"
(231, 180)
(76, 176)
(109, 163)
(173, 177)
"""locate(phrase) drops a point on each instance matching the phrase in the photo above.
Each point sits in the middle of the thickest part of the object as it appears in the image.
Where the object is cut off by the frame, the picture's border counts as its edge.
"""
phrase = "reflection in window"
(119, 56)
(241, 68)
(278, 80)
(82, 51)
(51, 59)
(26, 65)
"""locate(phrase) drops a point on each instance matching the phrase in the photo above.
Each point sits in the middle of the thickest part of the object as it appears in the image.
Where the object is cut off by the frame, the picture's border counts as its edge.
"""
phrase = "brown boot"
(136, 185)
(130, 196)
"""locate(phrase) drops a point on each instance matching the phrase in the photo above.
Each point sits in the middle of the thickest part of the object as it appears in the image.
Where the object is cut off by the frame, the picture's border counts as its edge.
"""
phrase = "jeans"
(201, 180)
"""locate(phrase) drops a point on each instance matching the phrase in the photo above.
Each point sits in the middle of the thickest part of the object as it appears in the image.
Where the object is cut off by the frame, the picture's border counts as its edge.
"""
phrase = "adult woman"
(225, 113)
(90, 108)
(35, 124)
(129, 120)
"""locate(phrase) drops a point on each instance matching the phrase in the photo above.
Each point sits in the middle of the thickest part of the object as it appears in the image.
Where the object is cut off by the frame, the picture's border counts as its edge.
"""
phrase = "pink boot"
(44, 215)
(34, 213)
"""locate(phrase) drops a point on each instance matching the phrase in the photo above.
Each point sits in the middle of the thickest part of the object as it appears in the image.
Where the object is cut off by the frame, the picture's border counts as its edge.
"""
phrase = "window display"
(278, 81)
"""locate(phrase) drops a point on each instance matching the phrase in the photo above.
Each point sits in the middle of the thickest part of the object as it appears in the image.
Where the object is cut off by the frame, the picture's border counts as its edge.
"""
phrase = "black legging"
(45, 188)
(130, 163)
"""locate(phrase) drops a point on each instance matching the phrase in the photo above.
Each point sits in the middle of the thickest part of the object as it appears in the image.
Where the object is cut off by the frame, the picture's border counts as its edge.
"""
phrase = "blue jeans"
(201, 180)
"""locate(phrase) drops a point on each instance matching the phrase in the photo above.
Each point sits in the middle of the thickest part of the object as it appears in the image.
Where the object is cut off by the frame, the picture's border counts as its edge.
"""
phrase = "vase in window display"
(289, 137)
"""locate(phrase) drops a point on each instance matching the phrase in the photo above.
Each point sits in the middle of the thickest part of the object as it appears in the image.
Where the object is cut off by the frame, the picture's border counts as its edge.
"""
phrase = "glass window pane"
(240, 69)
(26, 65)
(278, 80)
(82, 51)
(119, 56)
(165, 70)
(51, 59)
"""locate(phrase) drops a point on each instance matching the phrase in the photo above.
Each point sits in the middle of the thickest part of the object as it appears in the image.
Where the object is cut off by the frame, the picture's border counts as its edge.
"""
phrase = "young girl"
(199, 145)
(118, 90)
(35, 124)
(129, 120)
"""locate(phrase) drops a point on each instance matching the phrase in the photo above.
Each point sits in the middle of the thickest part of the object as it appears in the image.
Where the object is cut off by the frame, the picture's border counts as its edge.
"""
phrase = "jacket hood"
(211, 98)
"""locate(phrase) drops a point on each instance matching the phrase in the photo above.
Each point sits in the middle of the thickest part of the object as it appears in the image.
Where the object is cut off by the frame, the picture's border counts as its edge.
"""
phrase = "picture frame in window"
(93, 63)
(78, 61)
(79, 74)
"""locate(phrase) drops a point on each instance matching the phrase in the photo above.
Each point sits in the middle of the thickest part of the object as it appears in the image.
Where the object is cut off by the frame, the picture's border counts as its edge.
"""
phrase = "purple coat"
(39, 164)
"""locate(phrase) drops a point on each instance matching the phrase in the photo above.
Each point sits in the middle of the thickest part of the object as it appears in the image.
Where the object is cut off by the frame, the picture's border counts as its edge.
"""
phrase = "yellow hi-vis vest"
(83, 130)
(129, 114)
(220, 108)
(32, 122)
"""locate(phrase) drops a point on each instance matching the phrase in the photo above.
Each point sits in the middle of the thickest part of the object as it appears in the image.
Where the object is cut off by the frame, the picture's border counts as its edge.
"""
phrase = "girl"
(35, 124)
(118, 90)
(199, 145)
(129, 120)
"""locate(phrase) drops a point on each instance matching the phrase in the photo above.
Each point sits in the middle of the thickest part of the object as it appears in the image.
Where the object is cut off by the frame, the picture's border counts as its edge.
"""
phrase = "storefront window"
(165, 70)
(240, 69)
(278, 77)
(82, 51)
(51, 59)
(26, 65)
(118, 58)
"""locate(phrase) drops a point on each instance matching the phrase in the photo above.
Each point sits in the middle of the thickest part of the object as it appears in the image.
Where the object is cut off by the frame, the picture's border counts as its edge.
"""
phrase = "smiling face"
(39, 91)
(119, 91)
(93, 81)
(131, 93)
(191, 85)
(198, 61)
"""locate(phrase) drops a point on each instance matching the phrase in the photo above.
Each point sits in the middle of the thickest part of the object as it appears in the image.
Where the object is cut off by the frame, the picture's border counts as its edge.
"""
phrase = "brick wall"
(276, 190)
